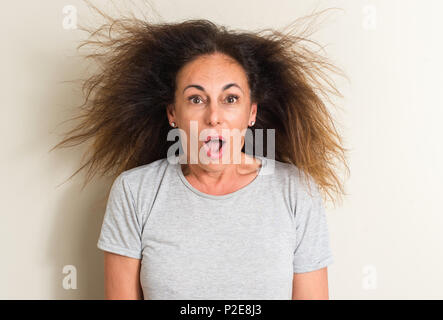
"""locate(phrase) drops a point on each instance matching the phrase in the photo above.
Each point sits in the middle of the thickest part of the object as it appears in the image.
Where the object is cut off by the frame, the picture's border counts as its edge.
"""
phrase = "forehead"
(214, 71)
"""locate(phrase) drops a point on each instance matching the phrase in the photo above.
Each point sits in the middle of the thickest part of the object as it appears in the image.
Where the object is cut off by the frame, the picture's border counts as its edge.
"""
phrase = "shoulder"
(298, 181)
(147, 170)
(145, 177)
(141, 184)
(282, 171)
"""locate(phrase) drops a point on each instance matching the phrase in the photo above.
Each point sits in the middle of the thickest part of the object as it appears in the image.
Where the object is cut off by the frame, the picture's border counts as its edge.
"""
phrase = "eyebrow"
(202, 89)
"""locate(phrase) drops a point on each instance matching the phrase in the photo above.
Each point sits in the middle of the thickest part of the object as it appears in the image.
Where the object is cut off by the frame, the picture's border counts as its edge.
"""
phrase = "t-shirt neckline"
(244, 189)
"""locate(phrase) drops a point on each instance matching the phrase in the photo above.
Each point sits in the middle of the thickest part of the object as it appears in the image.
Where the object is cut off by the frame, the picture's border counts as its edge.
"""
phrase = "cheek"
(237, 119)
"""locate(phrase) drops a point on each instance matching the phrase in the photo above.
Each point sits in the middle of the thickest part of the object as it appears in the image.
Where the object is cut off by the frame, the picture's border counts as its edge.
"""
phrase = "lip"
(213, 155)
(209, 153)
(220, 137)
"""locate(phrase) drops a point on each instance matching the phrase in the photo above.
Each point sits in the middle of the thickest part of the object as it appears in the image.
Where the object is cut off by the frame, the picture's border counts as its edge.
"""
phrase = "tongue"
(214, 146)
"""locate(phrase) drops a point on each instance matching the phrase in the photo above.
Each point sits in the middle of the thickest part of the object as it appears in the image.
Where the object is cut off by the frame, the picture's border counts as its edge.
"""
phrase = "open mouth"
(214, 146)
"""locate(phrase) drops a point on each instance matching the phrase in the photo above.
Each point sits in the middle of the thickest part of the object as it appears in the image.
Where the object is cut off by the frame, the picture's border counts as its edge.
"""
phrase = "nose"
(214, 114)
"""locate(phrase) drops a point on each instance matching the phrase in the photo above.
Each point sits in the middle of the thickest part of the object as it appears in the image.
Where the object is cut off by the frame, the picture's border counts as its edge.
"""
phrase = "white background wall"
(386, 236)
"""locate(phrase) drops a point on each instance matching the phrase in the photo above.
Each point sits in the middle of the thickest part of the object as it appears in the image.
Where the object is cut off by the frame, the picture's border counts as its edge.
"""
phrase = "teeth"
(215, 140)
(216, 144)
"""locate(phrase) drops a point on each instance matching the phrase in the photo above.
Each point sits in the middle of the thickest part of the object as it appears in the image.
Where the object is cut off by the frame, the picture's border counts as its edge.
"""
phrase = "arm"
(122, 277)
(311, 285)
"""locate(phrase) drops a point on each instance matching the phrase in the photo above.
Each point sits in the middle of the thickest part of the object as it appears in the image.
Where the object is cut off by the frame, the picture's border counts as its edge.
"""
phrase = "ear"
(170, 112)
(253, 113)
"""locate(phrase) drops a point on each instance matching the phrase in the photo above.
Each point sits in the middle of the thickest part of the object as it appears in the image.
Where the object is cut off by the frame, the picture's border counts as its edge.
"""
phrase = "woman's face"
(212, 98)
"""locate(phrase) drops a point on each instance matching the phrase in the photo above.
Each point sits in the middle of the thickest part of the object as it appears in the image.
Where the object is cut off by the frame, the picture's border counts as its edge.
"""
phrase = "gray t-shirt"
(243, 245)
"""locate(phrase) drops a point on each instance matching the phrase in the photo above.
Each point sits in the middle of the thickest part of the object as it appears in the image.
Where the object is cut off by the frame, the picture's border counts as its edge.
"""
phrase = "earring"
(252, 123)
(173, 124)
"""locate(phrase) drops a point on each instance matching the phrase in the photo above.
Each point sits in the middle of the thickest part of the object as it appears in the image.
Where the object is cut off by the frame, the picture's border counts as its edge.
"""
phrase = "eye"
(193, 98)
(232, 96)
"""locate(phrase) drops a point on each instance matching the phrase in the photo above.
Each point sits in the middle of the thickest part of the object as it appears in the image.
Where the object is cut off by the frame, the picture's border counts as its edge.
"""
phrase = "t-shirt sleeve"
(313, 250)
(121, 228)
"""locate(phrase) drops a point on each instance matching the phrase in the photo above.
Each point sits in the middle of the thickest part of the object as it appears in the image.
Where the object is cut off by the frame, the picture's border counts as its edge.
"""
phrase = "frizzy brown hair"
(124, 107)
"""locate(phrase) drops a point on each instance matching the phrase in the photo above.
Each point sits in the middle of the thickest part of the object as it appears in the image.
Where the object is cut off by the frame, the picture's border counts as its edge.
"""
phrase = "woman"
(213, 222)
